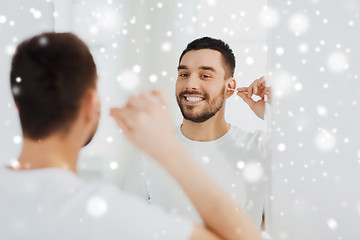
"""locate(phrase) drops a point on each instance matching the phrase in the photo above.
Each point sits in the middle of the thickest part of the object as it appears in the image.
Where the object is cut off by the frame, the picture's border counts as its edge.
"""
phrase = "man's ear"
(91, 105)
(230, 87)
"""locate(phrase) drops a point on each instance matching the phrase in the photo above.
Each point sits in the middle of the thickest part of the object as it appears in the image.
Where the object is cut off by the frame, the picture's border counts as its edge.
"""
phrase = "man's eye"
(205, 76)
(184, 75)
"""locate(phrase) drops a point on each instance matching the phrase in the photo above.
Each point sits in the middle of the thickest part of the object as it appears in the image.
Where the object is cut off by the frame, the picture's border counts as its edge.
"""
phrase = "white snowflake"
(2, 19)
(332, 224)
(253, 172)
(268, 17)
(325, 141)
(337, 62)
(129, 80)
(299, 23)
(96, 206)
(114, 165)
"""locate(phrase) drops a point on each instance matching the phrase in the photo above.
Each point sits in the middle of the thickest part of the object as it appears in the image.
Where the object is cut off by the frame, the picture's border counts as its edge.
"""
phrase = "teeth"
(193, 99)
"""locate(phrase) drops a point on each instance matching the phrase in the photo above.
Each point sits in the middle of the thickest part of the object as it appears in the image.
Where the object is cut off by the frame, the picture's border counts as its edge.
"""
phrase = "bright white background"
(308, 48)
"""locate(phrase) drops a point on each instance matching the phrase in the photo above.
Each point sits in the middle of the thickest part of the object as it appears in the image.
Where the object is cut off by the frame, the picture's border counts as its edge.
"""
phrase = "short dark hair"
(50, 74)
(214, 44)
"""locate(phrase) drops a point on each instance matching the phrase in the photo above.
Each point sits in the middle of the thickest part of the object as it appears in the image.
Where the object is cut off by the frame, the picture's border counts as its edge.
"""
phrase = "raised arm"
(146, 121)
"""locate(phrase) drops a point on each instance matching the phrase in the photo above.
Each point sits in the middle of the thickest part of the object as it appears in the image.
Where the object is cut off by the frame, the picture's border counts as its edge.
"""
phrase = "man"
(234, 159)
(54, 78)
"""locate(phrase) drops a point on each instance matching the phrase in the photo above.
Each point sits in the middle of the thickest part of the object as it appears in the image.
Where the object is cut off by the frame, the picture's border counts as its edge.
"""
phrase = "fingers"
(258, 85)
(161, 96)
(121, 116)
(127, 117)
(146, 103)
(262, 80)
(255, 88)
(246, 99)
(265, 91)
(242, 89)
(137, 103)
(250, 91)
(148, 100)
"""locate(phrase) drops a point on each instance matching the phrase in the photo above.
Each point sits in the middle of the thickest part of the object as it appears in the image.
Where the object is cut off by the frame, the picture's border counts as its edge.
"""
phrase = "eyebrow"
(201, 67)
(208, 68)
(182, 67)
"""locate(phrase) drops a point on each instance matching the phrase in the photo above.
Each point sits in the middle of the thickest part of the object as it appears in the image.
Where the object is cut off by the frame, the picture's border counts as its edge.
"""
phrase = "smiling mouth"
(190, 100)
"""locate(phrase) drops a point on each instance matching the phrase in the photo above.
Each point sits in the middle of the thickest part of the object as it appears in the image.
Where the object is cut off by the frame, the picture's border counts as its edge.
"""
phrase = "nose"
(192, 83)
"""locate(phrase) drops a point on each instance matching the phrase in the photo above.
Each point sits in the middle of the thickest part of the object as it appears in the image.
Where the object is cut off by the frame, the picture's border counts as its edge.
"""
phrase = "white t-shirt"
(53, 203)
(238, 162)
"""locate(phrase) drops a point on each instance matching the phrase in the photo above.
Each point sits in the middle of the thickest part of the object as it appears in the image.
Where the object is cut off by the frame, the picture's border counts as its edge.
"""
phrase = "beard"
(212, 106)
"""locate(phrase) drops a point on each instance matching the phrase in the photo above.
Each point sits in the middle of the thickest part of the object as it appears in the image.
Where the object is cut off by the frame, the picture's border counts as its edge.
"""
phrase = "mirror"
(309, 183)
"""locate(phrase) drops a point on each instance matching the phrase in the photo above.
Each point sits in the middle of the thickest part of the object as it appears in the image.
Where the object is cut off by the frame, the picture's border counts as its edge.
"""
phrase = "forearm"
(146, 122)
(219, 212)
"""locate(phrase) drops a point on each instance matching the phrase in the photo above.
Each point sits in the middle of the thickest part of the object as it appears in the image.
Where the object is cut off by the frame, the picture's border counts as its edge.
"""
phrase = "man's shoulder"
(237, 131)
(252, 140)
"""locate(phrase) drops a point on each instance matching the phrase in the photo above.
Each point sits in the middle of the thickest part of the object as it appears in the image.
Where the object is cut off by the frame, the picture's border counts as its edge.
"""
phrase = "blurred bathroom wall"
(19, 19)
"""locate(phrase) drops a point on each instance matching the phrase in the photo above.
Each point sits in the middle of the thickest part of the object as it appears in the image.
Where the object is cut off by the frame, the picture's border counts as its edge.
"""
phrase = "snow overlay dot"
(250, 60)
(16, 90)
(332, 224)
(337, 62)
(268, 17)
(299, 23)
(129, 80)
(325, 141)
(281, 147)
(43, 41)
(303, 48)
(321, 110)
(240, 164)
(114, 165)
(253, 172)
(211, 2)
(96, 206)
(136, 68)
(10, 49)
(298, 86)
(2, 19)
(166, 46)
(205, 159)
(153, 78)
(280, 51)
(17, 139)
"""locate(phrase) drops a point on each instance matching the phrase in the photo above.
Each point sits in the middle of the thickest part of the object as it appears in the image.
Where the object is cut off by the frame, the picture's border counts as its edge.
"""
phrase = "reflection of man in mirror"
(235, 159)
(54, 84)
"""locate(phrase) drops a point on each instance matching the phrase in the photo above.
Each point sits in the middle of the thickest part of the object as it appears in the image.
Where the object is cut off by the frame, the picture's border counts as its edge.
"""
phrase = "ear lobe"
(230, 87)
(92, 105)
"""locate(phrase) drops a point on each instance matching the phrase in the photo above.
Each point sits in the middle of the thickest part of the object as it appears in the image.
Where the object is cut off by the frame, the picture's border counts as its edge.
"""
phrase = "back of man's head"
(217, 45)
(50, 74)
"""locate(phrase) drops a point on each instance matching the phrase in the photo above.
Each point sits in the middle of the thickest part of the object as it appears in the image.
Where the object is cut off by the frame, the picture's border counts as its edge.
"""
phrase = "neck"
(52, 151)
(212, 129)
